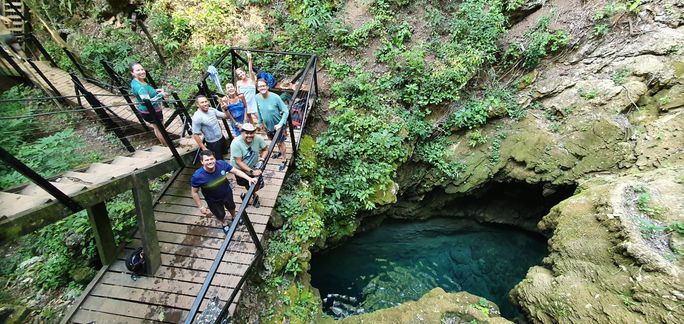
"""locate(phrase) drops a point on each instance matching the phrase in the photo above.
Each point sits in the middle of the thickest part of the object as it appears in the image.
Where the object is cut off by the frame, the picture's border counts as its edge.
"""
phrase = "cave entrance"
(462, 248)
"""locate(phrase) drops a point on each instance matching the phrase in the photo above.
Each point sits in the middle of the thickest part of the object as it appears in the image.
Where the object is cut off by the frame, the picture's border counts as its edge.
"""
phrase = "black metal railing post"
(99, 109)
(165, 134)
(14, 64)
(38, 180)
(233, 65)
(289, 116)
(42, 50)
(183, 113)
(73, 60)
(149, 37)
(124, 93)
(42, 76)
(150, 80)
(113, 75)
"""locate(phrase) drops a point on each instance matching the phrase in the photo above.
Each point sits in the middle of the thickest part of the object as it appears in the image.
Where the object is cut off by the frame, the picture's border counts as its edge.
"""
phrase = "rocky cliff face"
(607, 116)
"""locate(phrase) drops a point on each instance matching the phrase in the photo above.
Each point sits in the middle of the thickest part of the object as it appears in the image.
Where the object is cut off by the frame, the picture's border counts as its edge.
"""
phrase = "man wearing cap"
(205, 122)
(247, 153)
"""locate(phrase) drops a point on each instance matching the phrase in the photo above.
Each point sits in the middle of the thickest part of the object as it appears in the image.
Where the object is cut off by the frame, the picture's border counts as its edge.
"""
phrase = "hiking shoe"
(282, 166)
(276, 155)
(256, 203)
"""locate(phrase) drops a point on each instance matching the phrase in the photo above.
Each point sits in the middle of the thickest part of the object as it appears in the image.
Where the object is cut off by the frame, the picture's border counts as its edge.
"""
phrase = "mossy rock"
(436, 306)
(83, 274)
(13, 314)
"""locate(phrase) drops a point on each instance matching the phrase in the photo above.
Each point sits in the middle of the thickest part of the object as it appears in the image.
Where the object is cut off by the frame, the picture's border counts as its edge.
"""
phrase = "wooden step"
(13, 204)
(88, 178)
(109, 170)
(65, 187)
(181, 149)
(137, 163)
(150, 155)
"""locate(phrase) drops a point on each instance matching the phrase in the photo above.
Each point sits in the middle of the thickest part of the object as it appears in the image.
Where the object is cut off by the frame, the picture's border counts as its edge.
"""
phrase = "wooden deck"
(189, 243)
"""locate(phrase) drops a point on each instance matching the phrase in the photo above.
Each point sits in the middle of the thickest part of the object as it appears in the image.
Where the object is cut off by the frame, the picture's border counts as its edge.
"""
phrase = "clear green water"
(401, 261)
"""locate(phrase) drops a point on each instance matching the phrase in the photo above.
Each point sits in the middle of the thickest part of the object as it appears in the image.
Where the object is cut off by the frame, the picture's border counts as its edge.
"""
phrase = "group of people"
(246, 102)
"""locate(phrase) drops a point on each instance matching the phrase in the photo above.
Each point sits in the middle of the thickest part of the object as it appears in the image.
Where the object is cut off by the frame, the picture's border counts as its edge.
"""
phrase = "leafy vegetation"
(537, 44)
(67, 256)
(119, 50)
(44, 144)
(644, 203)
(618, 76)
(603, 17)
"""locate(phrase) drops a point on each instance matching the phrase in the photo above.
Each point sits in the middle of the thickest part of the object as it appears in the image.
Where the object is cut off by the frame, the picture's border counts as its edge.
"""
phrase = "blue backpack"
(270, 80)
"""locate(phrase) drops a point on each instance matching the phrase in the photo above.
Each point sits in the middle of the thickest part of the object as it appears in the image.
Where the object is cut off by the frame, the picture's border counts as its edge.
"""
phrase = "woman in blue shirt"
(141, 90)
(237, 108)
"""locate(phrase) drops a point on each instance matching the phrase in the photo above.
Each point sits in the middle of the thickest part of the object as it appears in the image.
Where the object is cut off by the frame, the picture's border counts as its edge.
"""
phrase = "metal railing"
(306, 92)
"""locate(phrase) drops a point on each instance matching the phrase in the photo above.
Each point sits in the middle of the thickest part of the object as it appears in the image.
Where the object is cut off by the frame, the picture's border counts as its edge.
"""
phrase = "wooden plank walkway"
(189, 243)
(63, 83)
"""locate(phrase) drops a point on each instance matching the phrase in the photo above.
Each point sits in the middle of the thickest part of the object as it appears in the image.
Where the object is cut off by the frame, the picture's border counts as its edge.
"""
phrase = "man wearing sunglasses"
(247, 153)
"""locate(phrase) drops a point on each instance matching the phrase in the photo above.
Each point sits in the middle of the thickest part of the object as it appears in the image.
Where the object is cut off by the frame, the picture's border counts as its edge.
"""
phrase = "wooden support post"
(102, 230)
(148, 230)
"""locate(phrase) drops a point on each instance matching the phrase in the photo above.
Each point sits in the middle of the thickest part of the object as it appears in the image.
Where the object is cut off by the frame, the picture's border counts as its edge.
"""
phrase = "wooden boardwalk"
(61, 80)
(189, 243)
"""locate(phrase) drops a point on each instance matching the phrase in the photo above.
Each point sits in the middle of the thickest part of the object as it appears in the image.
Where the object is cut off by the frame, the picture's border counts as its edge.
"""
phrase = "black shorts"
(150, 119)
(281, 138)
(219, 148)
(217, 207)
(245, 183)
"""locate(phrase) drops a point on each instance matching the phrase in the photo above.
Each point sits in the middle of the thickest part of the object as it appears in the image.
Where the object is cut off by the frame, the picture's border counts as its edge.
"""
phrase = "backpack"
(136, 263)
(297, 112)
(270, 80)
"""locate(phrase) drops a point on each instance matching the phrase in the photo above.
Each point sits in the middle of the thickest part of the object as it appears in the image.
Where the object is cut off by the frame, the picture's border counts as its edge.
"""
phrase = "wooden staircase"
(17, 27)
(30, 199)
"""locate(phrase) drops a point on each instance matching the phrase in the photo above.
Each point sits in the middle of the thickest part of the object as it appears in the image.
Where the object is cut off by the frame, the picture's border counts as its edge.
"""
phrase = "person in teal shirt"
(272, 115)
(141, 90)
(248, 153)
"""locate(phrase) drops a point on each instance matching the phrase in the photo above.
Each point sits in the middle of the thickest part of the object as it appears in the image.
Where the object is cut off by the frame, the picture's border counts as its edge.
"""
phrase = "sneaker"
(256, 203)
(282, 166)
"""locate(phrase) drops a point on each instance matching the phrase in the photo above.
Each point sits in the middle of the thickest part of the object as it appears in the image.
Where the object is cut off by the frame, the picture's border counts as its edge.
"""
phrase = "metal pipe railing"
(165, 134)
(104, 117)
(42, 76)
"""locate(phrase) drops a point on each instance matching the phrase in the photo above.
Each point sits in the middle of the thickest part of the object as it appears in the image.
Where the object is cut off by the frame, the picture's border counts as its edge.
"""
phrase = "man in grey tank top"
(205, 122)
